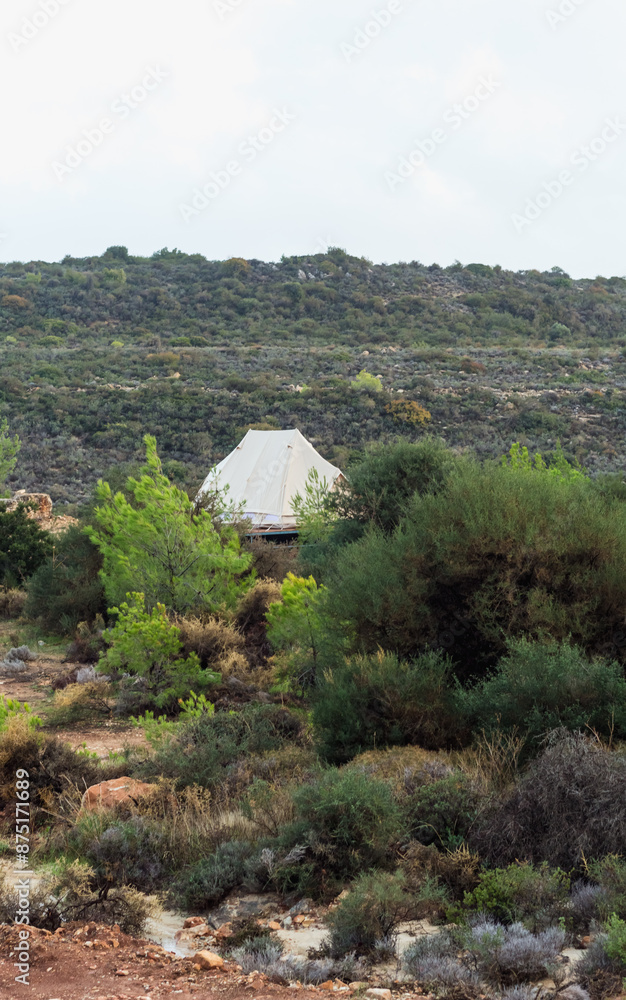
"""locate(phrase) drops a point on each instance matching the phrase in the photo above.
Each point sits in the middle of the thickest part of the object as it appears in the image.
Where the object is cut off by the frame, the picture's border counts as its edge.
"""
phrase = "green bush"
(67, 589)
(368, 917)
(349, 819)
(24, 547)
(207, 750)
(211, 879)
(146, 646)
(615, 944)
(537, 688)
(442, 812)
(609, 873)
(379, 701)
(536, 896)
(134, 852)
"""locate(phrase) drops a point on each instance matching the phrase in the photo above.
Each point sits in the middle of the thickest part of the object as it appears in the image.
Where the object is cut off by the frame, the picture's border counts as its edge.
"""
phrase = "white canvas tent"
(264, 473)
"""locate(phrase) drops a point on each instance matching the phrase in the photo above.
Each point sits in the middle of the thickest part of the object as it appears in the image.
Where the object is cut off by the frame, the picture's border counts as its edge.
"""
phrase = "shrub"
(209, 880)
(88, 643)
(458, 871)
(370, 914)
(443, 812)
(67, 589)
(12, 602)
(266, 956)
(536, 896)
(253, 606)
(378, 701)
(77, 702)
(66, 892)
(610, 875)
(51, 764)
(144, 645)
(404, 768)
(208, 749)
(133, 852)
(513, 954)
(432, 960)
(615, 944)
(210, 639)
(350, 820)
(537, 688)
(297, 625)
(568, 806)
(289, 872)
(23, 546)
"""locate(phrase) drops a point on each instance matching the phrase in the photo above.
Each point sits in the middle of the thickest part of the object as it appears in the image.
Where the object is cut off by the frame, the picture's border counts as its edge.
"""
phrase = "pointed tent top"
(264, 473)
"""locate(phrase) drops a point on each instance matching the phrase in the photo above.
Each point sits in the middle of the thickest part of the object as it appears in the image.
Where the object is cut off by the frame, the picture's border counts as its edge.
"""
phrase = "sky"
(489, 131)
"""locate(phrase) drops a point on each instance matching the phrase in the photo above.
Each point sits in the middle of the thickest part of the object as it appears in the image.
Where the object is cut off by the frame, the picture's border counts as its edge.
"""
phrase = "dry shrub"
(404, 768)
(494, 759)
(12, 602)
(282, 768)
(88, 642)
(458, 870)
(253, 606)
(568, 806)
(77, 702)
(212, 639)
(271, 561)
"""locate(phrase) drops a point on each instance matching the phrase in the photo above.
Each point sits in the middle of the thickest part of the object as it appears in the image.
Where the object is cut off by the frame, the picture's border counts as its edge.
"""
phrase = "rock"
(225, 931)
(328, 985)
(353, 987)
(378, 994)
(208, 960)
(304, 906)
(274, 925)
(298, 919)
(192, 922)
(108, 793)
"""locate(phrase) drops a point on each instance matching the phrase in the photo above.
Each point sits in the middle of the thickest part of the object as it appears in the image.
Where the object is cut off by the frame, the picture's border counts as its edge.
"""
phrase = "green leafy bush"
(297, 625)
(442, 812)
(367, 919)
(23, 546)
(537, 688)
(378, 701)
(67, 588)
(349, 819)
(536, 896)
(145, 645)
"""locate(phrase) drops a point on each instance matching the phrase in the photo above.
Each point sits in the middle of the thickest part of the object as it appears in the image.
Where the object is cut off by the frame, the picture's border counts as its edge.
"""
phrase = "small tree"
(23, 546)
(297, 626)
(9, 449)
(146, 645)
(161, 544)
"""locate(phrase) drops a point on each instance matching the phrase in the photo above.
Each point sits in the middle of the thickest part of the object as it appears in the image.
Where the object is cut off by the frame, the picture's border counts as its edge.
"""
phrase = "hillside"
(96, 352)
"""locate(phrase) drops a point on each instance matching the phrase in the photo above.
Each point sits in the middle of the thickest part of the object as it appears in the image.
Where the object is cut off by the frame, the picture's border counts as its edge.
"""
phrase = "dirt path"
(98, 963)
(99, 736)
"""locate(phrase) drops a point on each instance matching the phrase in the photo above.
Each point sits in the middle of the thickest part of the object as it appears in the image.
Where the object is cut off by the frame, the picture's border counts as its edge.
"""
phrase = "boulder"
(108, 793)
(208, 960)
(193, 922)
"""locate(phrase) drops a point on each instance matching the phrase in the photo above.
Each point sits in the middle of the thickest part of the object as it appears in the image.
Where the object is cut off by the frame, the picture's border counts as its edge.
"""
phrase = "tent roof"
(264, 473)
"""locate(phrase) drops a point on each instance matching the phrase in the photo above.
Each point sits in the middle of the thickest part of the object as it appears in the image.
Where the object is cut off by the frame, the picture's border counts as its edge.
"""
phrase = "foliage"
(568, 806)
(497, 553)
(207, 750)
(66, 589)
(609, 874)
(9, 449)
(407, 411)
(539, 687)
(615, 944)
(12, 602)
(296, 625)
(536, 896)
(558, 465)
(66, 892)
(379, 700)
(162, 545)
(145, 645)
(350, 820)
(365, 380)
(369, 915)
(23, 545)
(312, 510)
(210, 879)
(10, 708)
(442, 812)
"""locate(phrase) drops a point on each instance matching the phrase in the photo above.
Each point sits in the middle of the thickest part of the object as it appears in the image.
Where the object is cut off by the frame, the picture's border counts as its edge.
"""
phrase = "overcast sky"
(488, 131)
